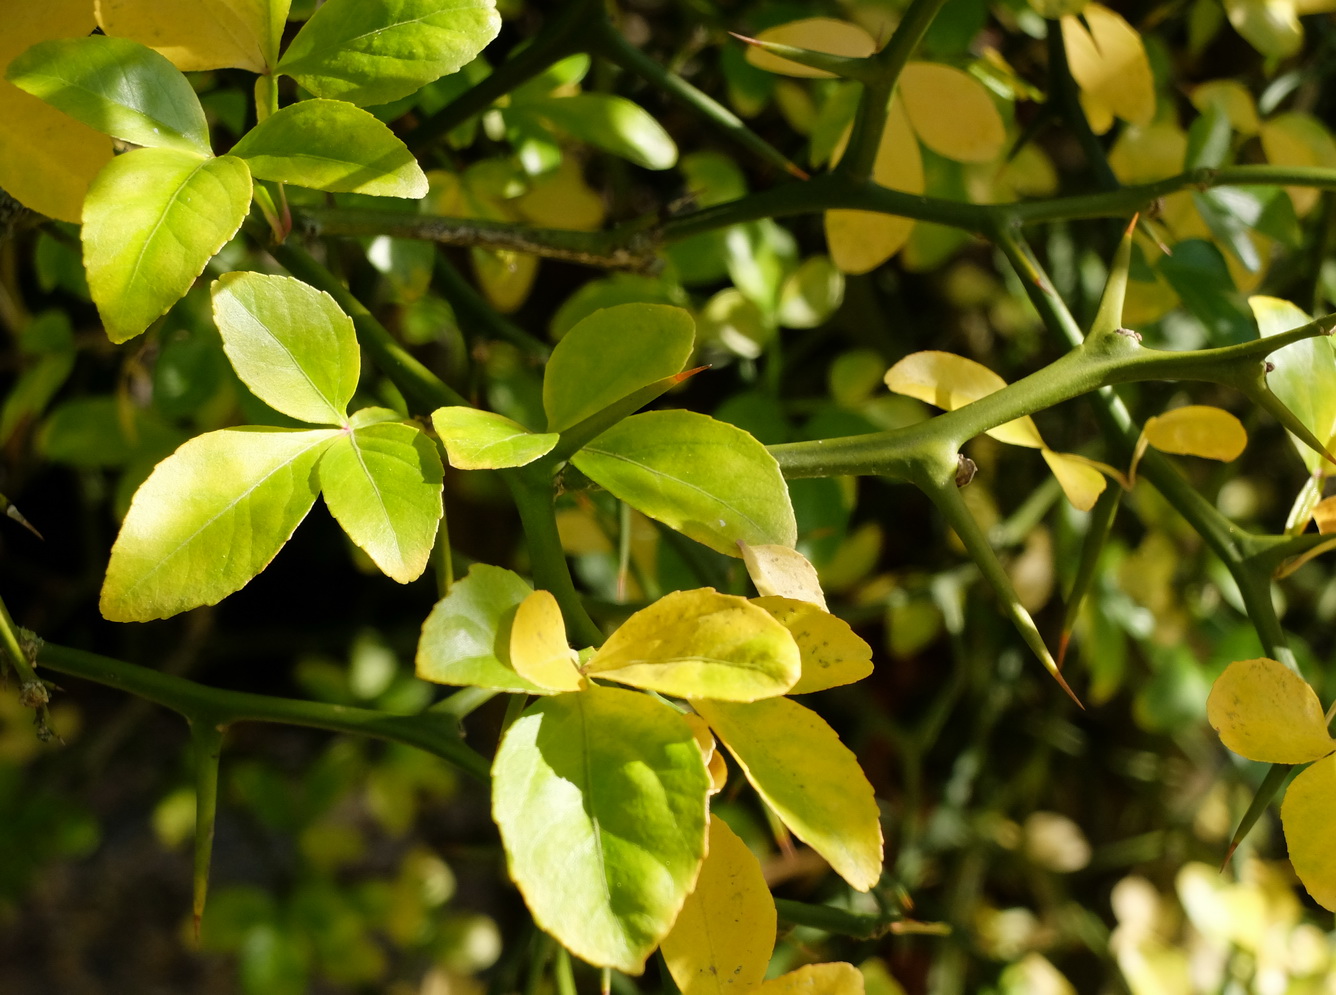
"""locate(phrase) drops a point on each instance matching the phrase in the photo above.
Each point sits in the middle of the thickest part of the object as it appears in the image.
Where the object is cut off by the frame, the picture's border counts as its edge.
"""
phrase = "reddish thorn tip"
(1070, 693)
(1062, 647)
(1228, 855)
(795, 171)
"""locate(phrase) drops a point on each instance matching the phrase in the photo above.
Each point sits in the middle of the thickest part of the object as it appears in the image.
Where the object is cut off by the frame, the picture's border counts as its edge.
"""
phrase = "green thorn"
(207, 742)
(845, 66)
(1266, 791)
(1101, 521)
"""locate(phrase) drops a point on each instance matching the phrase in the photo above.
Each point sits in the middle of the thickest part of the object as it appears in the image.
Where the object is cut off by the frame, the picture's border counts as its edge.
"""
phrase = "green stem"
(30, 684)
(532, 491)
(858, 925)
(422, 387)
(206, 740)
(189, 699)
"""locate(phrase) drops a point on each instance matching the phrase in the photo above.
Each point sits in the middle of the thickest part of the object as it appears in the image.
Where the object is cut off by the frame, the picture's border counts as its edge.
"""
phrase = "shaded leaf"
(1265, 711)
(817, 34)
(952, 113)
(291, 344)
(600, 798)
(701, 644)
(609, 122)
(808, 777)
(209, 518)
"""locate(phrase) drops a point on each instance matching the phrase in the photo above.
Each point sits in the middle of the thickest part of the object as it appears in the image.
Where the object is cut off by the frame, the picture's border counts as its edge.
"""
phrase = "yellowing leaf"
(1324, 515)
(831, 653)
(1233, 98)
(538, 649)
(808, 777)
(23, 25)
(1109, 64)
(205, 34)
(1080, 481)
(1142, 155)
(817, 34)
(1298, 139)
(563, 200)
(1265, 711)
(718, 771)
(783, 572)
(816, 979)
(952, 112)
(860, 241)
(506, 277)
(1197, 430)
(723, 937)
(701, 644)
(950, 381)
(1308, 814)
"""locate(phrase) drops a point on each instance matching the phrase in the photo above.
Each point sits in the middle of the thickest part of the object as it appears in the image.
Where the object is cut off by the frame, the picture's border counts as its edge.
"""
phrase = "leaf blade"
(1265, 711)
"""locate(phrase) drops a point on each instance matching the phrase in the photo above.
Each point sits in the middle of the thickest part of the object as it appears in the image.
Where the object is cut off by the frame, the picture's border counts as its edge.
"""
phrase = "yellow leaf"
(860, 241)
(206, 34)
(831, 653)
(723, 937)
(563, 200)
(1265, 711)
(1197, 430)
(538, 649)
(1308, 814)
(952, 113)
(47, 159)
(950, 381)
(701, 644)
(506, 277)
(1324, 515)
(1298, 139)
(1234, 99)
(717, 768)
(1109, 64)
(1080, 481)
(808, 777)
(817, 34)
(23, 25)
(783, 572)
(1143, 155)
(816, 979)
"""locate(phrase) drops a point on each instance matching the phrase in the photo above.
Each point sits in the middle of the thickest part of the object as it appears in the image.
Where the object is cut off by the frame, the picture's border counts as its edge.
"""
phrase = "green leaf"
(608, 122)
(808, 777)
(331, 145)
(1304, 378)
(704, 478)
(610, 354)
(485, 440)
(209, 518)
(466, 638)
(701, 644)
(291, 344)
(600, 798)
(375, 51)
(382, 483)
(152, 220)
(117, 86)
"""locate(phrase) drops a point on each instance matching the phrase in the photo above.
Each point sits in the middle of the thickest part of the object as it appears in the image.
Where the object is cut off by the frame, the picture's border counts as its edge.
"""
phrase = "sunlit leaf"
(1108, 62)
(722, 940)
(485, 440)
(860, 241)
(291, 344)
(1307, 815)
(538, 648)
(375, 51)
(117, 86)
(1295, 138)
(331, 145)
(382, 484)
(1197, 430)
(209, 518)
(466, 638)
(831, 653)
(705, 478)
(610, 354)
(1270, 26)
(784, 572)
(600, 798)
(152, 220)
(207, 34)
(701, 644)
(952, 113)
(47, 159)
(816, 979)
(1304, 374)
(1265, 711)
(817, 34)
(950, 381)
(1080, 481)
(808, 777)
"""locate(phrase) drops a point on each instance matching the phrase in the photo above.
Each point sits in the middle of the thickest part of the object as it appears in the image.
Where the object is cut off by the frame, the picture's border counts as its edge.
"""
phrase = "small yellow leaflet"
(538, 649)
